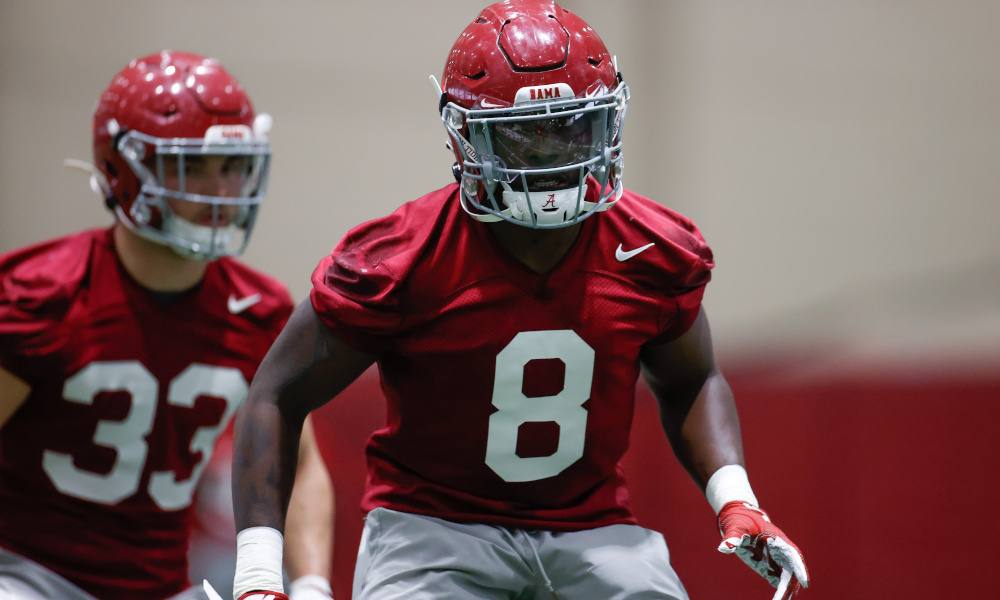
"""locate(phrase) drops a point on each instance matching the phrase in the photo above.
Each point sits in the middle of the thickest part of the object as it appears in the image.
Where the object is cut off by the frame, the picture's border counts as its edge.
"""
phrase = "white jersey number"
(128, 436)
(565, 408)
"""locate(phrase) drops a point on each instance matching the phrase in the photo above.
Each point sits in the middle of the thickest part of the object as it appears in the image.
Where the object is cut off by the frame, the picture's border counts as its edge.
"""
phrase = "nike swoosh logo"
(237, 306)
(622, 256)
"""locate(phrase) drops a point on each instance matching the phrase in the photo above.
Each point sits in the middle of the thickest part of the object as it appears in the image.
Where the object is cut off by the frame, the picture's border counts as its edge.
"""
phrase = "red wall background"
(887, 481)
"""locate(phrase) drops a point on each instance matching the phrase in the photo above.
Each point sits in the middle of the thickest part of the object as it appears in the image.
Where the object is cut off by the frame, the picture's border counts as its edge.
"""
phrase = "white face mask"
(549, 147)
(148, 158)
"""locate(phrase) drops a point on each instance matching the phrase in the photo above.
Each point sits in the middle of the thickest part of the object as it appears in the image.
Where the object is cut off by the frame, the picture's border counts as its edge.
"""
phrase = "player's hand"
(261, 595)
(748, 532)
(310, 587)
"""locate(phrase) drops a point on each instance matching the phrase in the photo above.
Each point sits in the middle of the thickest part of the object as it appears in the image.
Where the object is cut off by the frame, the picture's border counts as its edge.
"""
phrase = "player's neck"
(155, 266)
(538, 249)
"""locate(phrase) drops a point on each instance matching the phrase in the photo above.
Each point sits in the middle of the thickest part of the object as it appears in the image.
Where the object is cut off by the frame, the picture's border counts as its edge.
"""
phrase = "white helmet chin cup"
(548, 208)
(198, 241)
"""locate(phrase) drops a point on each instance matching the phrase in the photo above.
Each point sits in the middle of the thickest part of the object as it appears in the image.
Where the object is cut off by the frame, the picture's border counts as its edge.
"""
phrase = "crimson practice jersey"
(510, 394)
(129, 392)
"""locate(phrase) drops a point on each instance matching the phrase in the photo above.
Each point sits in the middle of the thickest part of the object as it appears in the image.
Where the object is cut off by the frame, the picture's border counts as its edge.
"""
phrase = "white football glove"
(748, 533)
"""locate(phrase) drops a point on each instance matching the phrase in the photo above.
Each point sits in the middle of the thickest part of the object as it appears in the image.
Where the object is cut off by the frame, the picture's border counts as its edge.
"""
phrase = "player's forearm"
(702, 424)
(265, 453)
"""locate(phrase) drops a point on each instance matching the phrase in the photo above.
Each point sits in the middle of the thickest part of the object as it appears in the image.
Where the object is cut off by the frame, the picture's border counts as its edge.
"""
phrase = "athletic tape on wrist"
(317, 582)
(729, 484)
(258, 561)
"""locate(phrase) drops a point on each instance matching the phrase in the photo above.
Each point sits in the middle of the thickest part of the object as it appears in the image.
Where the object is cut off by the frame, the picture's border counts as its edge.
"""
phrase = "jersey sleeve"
(359, 289)
(687, 270)
(686, 303)
(37, 285)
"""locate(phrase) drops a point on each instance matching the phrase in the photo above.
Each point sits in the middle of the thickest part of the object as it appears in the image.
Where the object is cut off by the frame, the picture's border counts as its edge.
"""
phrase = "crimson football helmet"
(160, 121)
(534, 106)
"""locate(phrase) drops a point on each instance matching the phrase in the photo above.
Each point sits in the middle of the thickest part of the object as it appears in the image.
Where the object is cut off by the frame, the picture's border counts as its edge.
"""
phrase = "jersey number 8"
(565, 408)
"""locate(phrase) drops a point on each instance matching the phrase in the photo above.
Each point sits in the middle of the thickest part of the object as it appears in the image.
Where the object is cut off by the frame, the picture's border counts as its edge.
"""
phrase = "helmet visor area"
(546, 142)
(229, 181)
(547, 150)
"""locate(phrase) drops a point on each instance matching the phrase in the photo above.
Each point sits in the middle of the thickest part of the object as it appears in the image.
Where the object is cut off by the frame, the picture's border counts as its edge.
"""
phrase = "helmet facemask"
(199, 196)
(534, 163)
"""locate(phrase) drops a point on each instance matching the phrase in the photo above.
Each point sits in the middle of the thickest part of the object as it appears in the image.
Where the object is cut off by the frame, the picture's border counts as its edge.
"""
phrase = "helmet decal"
(534, 93)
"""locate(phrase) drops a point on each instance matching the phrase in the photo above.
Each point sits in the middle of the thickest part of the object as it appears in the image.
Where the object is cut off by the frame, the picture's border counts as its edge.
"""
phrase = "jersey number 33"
(128, 436)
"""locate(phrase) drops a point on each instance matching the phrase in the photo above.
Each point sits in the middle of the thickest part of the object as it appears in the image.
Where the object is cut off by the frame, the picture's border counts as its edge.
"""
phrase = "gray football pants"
(412, 557)
(23, 579)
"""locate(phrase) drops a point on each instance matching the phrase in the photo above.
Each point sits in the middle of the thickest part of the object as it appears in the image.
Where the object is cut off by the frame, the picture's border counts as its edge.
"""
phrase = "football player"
(125, 351)
(510, 314)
